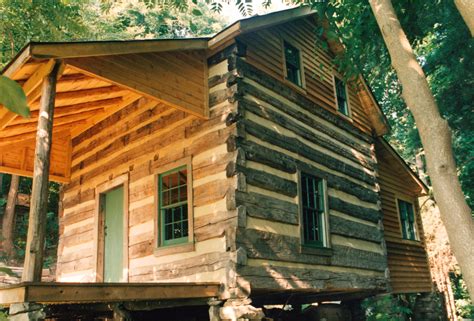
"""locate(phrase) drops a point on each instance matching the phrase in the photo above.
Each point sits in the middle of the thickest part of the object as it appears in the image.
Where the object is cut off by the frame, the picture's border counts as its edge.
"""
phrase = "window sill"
(174, 249)
(408, 241)
(301, 89)
(346, 117)
(321, 251)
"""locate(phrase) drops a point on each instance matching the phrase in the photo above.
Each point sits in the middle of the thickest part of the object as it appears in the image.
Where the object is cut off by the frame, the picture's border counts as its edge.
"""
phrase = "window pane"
(341, 96)
(174, 206)
(407, 220)
(293, 64)
(312, 210)
(168, 231)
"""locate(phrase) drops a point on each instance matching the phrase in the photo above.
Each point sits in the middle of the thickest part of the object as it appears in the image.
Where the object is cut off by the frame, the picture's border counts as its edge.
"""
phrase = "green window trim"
(173, 219)
(341, 96)
(407, 220)
(293, 64)
(313, 211)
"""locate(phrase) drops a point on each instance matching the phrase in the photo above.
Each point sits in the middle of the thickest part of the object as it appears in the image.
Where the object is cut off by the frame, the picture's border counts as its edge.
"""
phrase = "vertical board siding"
(136, 141)
(407, 260)
(264, 51)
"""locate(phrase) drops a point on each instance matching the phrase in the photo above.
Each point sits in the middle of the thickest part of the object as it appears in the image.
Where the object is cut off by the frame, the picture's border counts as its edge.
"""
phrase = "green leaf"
(7, 271)
(197, 12)
(13, 97)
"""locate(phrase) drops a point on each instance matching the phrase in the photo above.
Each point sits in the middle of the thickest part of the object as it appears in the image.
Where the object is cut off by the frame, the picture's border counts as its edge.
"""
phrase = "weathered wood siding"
(265, 51)
(135, 141)
(282, 130)
(177, 78)
(407, 260)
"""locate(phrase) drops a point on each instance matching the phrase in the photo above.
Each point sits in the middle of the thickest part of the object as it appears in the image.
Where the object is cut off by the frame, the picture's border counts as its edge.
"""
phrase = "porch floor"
(67, 293)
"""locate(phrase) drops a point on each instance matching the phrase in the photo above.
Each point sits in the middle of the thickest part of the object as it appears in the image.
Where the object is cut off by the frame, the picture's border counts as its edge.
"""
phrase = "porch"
(69, 301)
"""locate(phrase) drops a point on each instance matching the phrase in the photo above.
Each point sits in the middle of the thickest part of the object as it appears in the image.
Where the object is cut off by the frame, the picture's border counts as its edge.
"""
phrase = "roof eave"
(63, 50)
(257, 22)
(17, 62)
(424, 189)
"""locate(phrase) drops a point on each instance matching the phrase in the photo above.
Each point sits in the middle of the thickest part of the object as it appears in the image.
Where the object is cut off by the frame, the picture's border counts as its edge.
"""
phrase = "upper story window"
(313, 211)
(173, 209)
(293, 64)
(341, 96)
(407, 220)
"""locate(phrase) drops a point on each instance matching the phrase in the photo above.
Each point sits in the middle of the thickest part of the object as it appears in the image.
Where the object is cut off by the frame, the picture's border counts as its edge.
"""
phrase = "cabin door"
(113, 212)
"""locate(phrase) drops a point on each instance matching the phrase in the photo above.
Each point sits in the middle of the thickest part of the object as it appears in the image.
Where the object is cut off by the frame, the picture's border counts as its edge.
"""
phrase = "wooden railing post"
(39, 195)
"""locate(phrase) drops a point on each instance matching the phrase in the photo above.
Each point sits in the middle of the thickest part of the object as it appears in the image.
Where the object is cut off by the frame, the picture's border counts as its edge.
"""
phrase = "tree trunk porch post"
(39, 195)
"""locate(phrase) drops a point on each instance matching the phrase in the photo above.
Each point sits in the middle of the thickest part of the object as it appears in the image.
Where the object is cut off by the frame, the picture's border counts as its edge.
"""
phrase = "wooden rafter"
(26, 137)
(67, 110)
(30, 87)
(20, 129)
(85, 95)
(127, 100)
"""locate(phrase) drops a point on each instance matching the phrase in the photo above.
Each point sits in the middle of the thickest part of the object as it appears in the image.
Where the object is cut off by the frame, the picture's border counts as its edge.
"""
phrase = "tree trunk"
(466, 9)
(436, 139)
(8, 224)
(39, 193)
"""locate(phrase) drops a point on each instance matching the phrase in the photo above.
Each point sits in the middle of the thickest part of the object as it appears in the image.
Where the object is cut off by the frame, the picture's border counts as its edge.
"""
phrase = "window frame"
(415, 216)
(173, 247)
(301, 86)
(325, 247)
(349, 110)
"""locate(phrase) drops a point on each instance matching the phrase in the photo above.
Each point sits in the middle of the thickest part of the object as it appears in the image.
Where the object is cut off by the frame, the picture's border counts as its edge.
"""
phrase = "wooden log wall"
(281, 130)
(407, 260)
(135, 141)
(265, 51)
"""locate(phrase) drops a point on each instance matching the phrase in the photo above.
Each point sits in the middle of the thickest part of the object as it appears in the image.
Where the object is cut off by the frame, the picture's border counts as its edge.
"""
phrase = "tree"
(435, 136)
(8, 224)
(466, 9)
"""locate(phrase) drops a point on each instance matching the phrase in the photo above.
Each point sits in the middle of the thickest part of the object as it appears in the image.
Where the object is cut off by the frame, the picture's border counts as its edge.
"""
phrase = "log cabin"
(228, 172)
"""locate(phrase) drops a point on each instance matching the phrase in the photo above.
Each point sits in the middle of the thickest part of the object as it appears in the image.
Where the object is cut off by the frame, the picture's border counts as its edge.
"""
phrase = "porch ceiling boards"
(96, 80)
(61, 293)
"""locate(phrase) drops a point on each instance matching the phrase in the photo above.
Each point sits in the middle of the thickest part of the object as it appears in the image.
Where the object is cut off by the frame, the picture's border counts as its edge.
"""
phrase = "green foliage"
(139, 20)
(464, 305)
(13, 97)
(387, 308)
(81, 20)
(7, 271)
(37, 20)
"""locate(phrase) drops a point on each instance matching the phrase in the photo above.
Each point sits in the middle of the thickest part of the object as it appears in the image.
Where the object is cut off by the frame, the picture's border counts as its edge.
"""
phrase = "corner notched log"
(39, 195)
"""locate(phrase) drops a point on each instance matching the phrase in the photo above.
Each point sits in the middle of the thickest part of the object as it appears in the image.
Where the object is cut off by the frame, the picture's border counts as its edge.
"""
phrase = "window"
(313, 211)
(341, 96)
(173, 207)
(407, 219)
(293, 64)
